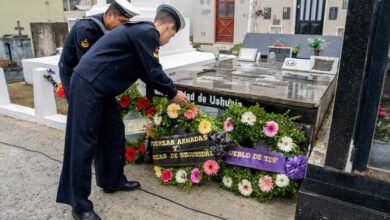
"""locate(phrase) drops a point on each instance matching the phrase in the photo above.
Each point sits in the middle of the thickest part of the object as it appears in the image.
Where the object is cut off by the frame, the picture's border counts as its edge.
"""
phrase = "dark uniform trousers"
(94, 132)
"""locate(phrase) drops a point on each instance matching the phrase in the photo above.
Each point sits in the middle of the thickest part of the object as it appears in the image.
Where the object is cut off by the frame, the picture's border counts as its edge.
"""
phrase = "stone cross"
(19, 28)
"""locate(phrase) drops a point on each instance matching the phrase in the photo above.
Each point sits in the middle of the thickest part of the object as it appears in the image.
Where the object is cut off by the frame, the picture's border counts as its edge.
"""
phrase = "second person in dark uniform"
(87, 31)
(115, 62)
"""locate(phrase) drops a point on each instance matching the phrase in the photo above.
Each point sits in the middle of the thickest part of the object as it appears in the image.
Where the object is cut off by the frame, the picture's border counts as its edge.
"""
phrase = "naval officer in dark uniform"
(87, 31)
(115, 62)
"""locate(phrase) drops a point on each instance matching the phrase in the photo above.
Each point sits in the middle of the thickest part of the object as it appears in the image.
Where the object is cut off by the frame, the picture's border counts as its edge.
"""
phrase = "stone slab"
(262, 41)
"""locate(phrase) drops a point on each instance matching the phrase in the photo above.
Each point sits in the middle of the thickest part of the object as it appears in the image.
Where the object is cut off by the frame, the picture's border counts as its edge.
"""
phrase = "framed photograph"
(247, 54)
(279, 53)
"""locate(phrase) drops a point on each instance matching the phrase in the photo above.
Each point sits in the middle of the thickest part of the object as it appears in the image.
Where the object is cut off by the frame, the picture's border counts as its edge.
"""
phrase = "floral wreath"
(244, 126)
(56, 86)
(132, 101)
(253, 125)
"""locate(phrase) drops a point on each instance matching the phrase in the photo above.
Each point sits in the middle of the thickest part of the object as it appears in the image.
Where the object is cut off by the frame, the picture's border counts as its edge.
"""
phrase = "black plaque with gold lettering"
(181, 150)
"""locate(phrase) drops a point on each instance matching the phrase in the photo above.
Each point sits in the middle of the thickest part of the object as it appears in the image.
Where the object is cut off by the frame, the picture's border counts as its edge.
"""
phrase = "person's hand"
(180, 98)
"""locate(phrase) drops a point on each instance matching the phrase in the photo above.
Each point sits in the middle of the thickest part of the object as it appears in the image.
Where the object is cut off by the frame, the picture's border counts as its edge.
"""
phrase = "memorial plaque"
(267, 13)
(323, 65)
(286, 13)
(280, 53)
(135, 126)
(247, 54)
(333, 13)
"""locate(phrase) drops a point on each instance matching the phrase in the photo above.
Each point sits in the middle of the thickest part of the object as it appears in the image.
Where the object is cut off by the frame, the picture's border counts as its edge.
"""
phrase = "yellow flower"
(204, 127)
(173, 110)
(157, 171)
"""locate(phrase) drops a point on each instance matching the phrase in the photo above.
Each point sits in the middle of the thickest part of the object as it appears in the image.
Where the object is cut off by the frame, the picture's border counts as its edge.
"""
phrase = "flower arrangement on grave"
(135, 151)
(171, 119)
(382, 131)
(295, 50)
(186, 177)
(133, 101)
(278, 44)
(317, 44)
(238, 129)
(56, 86)
(260, 134)
(179, 125)
(236, 48)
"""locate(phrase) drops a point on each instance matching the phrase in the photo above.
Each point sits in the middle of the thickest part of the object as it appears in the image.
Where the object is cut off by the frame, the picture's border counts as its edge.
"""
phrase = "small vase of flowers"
(295, 50)
(317, 44)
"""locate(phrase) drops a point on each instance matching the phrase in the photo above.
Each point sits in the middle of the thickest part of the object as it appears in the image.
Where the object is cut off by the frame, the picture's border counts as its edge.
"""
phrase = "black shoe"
(91, 215)
(128, 186)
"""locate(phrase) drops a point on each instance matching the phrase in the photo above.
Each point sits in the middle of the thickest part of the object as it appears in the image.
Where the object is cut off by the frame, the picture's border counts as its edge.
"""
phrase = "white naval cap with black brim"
(126, 8)
(175, 13)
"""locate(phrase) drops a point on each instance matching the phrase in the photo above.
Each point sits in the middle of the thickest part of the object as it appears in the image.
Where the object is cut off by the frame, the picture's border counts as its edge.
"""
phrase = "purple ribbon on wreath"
(295, 167)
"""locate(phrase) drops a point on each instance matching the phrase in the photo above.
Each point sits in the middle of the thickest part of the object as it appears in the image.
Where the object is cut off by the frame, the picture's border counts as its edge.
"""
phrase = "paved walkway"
(29, 180)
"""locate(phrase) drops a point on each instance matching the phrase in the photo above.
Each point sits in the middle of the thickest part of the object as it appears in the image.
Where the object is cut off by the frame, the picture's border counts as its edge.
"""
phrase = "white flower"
(227, 181)
(245, 188)
(286, 144)
(282, 180)
(181, 176)
(157, 119)
(248, 118)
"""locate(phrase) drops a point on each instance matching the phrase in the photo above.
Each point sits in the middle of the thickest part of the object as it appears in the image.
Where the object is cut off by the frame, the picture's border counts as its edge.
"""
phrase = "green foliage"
(236, 47)
(140, 156)
(240, 173)
(246, 135)
(133, 93)
(188, 182)
(242, 134)
(170, 126)
(316, 41)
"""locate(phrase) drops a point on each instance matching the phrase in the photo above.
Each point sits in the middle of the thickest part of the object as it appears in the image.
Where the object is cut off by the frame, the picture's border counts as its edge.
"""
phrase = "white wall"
(204, 21)
(187, 8)
(203, 16)
(330, 26)
(27, 11)
(241, 9)
(277, 9)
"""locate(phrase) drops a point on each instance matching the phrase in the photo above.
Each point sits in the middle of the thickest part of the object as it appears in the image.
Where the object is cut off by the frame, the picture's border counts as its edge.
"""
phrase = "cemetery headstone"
(281, 53)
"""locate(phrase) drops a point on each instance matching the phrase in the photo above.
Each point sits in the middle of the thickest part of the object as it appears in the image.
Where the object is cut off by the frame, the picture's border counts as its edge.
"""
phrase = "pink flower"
(195, 176)
(265, 183)
(228, 126)
(210, 167)
(166, 175)
(191, 113)
(270, 129)
(382, 114)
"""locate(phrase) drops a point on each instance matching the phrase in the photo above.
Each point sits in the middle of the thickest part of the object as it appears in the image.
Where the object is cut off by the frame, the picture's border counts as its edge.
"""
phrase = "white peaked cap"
(126, 8)
(176, 14)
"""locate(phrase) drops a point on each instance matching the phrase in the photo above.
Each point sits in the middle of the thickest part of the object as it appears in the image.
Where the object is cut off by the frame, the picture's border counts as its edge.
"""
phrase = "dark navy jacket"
(80, 39)
(124, 55)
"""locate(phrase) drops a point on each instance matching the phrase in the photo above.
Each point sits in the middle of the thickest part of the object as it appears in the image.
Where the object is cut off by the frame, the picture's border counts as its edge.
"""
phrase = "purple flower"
(50, 71)
(295, 167)
(386, 95)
